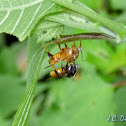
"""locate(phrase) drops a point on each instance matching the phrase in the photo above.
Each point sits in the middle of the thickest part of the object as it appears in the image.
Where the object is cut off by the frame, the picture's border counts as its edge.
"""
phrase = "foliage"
(86, 99)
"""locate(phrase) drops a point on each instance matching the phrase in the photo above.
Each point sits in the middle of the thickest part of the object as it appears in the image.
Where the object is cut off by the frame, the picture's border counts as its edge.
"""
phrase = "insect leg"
(58, 43)
(49, 54)
(65, 45)
(46, 49)
(67, 65)
(48, 66)
(54, 68)
(56, 72)
(74, 42)
(62, 69)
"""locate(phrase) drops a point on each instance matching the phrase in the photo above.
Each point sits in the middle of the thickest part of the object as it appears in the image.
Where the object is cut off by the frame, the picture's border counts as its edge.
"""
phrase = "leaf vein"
(10, 3)
(1, 5)
(22, 6)
(5, 18)
(27, 101)
(47, 9)
(22, 11)
(31, 20)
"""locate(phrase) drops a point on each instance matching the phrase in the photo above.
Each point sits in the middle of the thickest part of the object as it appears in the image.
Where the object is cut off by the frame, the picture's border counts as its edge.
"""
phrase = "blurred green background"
(88, 99)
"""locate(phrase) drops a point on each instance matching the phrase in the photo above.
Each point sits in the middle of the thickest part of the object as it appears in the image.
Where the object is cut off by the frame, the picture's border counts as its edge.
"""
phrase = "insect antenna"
(81, 52)
(48, 66)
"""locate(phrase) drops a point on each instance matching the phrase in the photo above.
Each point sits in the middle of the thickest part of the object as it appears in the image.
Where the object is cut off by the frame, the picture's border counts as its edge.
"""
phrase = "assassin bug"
(67, 54)
(69, 71)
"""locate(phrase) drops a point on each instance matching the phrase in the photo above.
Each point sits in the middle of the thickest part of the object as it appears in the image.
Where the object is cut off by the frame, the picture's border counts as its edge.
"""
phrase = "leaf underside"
(19, 17)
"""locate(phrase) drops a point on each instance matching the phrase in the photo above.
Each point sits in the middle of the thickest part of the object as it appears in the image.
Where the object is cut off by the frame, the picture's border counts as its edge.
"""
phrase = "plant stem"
(113, 26)
(82, 36)
(119, 84)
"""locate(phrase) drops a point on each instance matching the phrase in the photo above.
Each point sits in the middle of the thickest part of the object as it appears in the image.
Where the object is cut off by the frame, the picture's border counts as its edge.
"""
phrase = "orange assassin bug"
(67, 54)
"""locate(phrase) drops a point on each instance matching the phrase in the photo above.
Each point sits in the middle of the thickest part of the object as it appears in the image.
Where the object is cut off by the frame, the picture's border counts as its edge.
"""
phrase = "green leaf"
(121, 18)
(81, 102)
(121, 47)
(35, 58)
(117, 60)
(85, 11)
(3, 122)
(19, 17)
(46, 30)
(93, 4)
(11, 94)
(2, 39)
(120, 102)
(76, 20)
(115, 4)
(98, 52)
(100, 62)
(21, 117)
(33, 121)
(5, 67)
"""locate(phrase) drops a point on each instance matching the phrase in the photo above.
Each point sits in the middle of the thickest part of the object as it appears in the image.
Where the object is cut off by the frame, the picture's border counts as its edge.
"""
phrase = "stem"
(118, 84)
(83, 36)
(115, 27)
